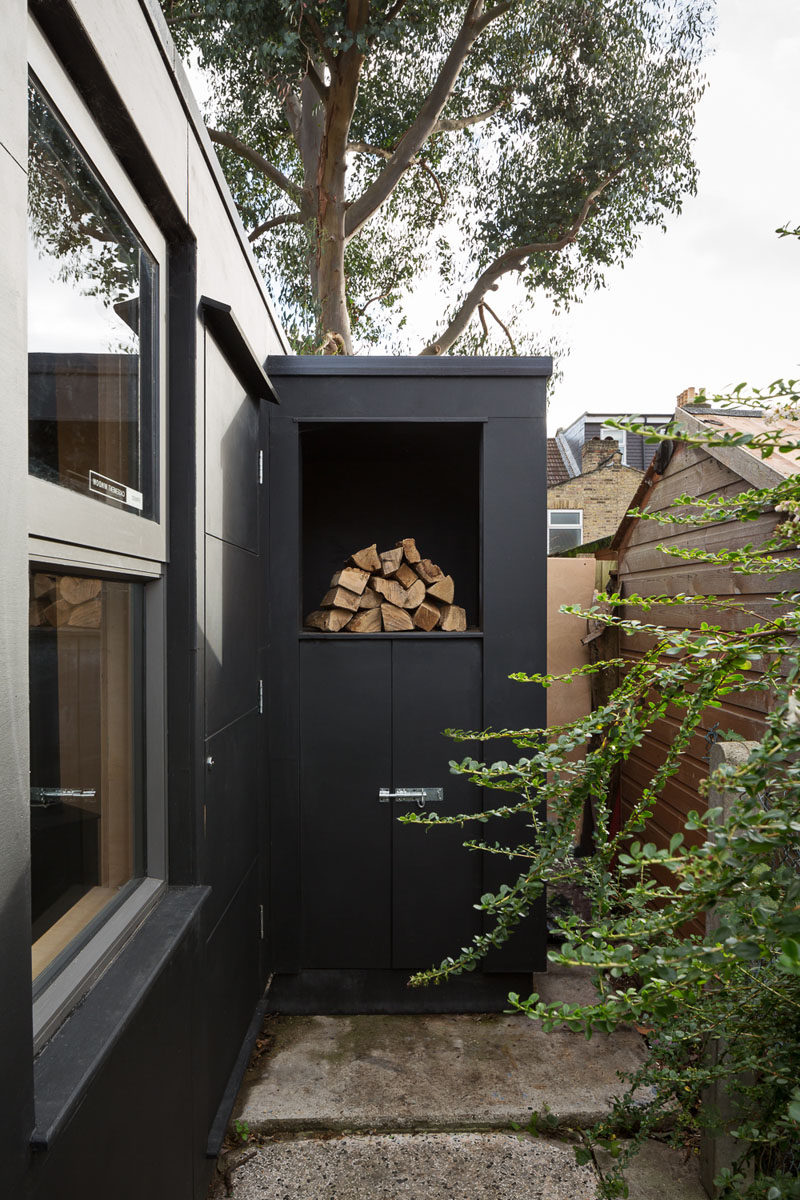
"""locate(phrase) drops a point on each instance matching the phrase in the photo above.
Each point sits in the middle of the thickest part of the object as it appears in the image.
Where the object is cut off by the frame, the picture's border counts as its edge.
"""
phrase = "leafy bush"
(719, 998)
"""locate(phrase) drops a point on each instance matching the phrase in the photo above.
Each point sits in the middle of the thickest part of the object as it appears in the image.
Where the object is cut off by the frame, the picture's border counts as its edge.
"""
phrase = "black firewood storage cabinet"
(451, 452)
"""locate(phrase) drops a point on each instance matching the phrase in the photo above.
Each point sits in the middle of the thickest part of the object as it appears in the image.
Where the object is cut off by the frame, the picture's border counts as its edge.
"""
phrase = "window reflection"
(86, 813)
(92, 289)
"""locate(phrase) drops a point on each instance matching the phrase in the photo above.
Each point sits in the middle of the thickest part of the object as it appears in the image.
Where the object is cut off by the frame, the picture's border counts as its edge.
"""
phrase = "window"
(97, 547)
(564, 529)
(91, 343)
(87, 831)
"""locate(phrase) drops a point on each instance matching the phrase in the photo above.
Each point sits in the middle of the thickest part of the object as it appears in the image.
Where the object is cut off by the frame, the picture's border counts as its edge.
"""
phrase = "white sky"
(715, 300)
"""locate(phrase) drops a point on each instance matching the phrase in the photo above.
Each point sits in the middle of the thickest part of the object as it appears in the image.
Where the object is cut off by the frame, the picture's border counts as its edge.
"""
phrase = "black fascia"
(228, 332)
(420, 364)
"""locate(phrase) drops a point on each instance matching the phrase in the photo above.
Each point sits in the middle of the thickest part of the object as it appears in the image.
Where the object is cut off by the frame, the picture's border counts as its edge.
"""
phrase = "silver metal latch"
(41, 797)
(418, 796)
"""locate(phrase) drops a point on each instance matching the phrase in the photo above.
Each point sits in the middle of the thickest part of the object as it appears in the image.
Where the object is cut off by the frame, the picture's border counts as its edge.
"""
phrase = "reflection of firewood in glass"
(391, 591)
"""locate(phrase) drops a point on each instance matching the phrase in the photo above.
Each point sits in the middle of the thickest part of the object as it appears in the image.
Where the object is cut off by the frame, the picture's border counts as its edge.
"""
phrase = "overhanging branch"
(257, 160)
(512, 260)
(476, 19)
(293, 218)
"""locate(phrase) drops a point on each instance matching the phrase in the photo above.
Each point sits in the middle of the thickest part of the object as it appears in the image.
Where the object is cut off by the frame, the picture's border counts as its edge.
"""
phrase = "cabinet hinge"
(261, 695)
(261, 919)
(261, 466)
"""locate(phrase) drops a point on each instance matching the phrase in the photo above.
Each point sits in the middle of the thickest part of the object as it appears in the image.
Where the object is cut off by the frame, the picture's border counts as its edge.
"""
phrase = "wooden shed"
(680, 469)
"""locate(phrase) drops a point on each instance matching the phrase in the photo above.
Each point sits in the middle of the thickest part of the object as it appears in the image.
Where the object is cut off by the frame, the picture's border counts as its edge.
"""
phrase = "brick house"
(590, 484)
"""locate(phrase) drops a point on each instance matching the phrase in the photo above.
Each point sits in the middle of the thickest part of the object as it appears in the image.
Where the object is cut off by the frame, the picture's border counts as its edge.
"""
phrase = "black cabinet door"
(377, 894)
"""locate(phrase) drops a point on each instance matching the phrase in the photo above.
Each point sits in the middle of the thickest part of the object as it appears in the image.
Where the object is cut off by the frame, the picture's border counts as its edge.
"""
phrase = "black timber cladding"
(502, 401)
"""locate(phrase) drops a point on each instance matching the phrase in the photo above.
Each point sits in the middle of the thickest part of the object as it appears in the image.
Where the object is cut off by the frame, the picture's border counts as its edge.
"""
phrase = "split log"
(410, 551)
(391, 590)
(339, 597)
(454, 619)
(43, 584)
(57, 613)
(367, 621)
(329, 620)
(395, 619)
(428, 571)
(427, 616)
(36, 610)
(87, 615)
(414, 595)
(390, 561)
(352, 578)
(76, 589)
(443, 589)
(369, 599)
(406, 576)
(367, 559)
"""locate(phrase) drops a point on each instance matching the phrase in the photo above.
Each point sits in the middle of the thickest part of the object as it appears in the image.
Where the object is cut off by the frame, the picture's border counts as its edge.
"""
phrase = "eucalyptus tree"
(371, 143)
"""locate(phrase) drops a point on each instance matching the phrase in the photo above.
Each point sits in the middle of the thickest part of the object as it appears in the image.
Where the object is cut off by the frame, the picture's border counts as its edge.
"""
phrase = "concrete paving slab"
(446, 1166)
(660, 1172)
(453, 1072)
(460, 1166)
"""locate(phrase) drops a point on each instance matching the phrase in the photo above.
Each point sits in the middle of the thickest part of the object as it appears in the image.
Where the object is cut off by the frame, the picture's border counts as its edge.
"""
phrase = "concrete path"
(423, 1108)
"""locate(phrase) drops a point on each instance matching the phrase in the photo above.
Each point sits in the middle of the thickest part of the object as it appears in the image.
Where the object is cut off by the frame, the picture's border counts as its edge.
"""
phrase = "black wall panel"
(345, 758)
(230, 819)
(435, 686)
(232, 986)
(231, 633)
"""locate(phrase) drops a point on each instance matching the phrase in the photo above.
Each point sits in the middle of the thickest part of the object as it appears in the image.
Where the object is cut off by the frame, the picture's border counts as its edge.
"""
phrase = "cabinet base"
(332, 992)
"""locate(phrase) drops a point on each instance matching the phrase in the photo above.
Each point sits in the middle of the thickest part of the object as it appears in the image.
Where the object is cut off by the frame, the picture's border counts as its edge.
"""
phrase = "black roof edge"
(423, 364)
(242, 357)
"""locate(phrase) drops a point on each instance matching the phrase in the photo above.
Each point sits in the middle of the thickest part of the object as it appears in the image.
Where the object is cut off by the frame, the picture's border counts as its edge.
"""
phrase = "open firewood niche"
(391, 591)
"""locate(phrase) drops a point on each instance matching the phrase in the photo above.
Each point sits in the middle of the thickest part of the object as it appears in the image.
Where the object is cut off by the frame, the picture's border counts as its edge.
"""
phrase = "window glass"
(564, 529)
(91, 328)
(87, 817)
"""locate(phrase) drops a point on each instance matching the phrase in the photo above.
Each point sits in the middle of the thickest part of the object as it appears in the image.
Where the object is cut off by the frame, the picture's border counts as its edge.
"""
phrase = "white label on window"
(115, 491)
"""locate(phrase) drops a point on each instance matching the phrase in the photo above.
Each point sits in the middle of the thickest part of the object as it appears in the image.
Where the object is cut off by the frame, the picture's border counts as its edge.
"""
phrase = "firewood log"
(391, 590)
(87, 615)
(43, 584)
(405, 575)
(427, 616)
(414, 595)
(369, 599)
(367, 559)
(366, 621)
(428, 571)
(329, 620)
(390, 561)
(410, 551)
(339, 597)
(352, 578)
(443, 589)
(454, 619)
(395, 619)
(76, 589)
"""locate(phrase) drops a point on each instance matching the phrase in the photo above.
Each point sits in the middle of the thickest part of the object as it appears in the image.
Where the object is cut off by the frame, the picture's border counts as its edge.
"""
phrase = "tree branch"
(262, 164)
(294, 218)
(379, 152)
(320, 87)
(453, 124)
(396, 9)
(505, 329)
(512, 260)
(319, 36)
(475, 21)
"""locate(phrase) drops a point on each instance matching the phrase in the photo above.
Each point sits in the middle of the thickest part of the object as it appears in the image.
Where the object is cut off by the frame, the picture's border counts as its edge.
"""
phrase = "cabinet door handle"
(418, 796)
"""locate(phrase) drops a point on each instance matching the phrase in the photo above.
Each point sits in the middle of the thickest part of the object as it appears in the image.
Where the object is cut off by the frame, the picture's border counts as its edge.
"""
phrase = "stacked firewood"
(393, 590)
(65, 600)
